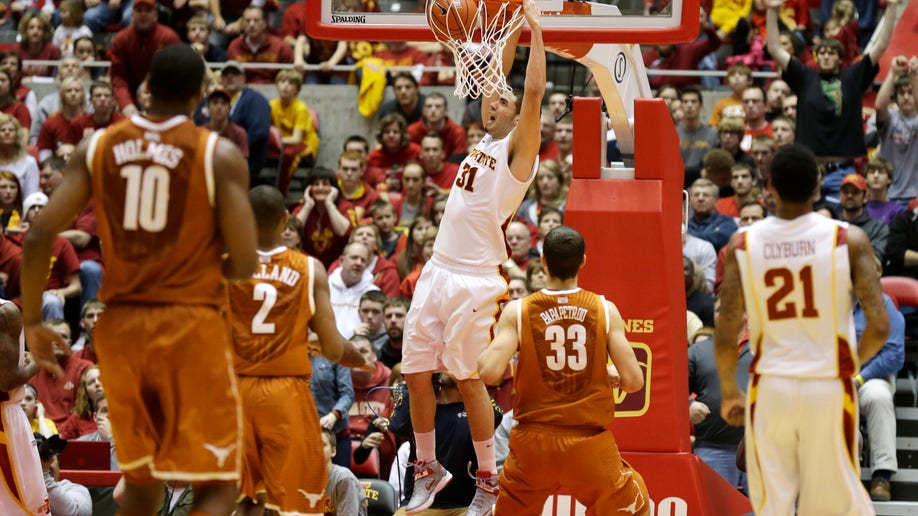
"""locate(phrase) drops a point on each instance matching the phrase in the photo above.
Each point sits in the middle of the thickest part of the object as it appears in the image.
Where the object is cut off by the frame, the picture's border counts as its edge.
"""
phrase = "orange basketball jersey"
(269, 315)
(153, 189)
(561, 376)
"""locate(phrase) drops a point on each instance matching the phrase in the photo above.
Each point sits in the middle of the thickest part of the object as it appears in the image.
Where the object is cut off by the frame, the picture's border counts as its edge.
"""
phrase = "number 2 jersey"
(798, 292)
(270, 313)
(561, 376)
(481, 203)
(153, 189)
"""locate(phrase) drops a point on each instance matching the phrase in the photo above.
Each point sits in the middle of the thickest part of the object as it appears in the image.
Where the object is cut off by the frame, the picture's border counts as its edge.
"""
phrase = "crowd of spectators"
(820, 99)
(373, 219)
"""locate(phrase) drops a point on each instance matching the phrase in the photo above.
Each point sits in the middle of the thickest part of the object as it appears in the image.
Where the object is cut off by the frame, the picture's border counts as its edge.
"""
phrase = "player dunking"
(564, 397)
(794, 276)
(270, 316)
(460, 290)
(170, 199)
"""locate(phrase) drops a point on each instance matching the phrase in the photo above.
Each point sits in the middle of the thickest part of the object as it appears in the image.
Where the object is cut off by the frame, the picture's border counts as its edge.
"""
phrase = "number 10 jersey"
(799, 296)
(153, 192)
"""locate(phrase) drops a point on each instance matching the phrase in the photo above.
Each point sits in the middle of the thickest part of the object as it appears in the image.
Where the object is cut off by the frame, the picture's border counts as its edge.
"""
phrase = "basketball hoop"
(476, 32)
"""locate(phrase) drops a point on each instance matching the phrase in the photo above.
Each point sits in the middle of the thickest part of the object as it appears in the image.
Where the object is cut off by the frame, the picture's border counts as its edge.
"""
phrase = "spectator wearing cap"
(64, 276)
(64, 496)
(251, 111)
(830, 101)
(133, 49)
(408, 101)
(218, 105)
(851, 210)
(879, 175)
(256, 45)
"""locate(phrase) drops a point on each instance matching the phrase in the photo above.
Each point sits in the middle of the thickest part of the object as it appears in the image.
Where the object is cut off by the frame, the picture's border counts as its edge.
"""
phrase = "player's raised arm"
(866, 281)
(773, 41)
(493, 362)
(234, 213)
(524, 147)
(729, 323)
(334, 347)
(68, 201)
(621, 352)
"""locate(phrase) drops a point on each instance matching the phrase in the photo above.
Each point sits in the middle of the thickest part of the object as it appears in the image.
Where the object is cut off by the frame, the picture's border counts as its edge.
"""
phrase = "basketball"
(452, 19)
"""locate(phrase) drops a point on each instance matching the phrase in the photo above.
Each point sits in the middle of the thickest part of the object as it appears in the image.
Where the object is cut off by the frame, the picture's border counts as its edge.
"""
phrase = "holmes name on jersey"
(160, 153)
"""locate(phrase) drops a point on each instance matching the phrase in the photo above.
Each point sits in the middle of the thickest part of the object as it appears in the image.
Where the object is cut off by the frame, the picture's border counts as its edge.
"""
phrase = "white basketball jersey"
(799, 296)
(482, 202)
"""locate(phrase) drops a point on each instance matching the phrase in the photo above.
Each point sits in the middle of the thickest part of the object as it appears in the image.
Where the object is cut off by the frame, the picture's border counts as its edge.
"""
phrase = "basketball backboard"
(611, 21)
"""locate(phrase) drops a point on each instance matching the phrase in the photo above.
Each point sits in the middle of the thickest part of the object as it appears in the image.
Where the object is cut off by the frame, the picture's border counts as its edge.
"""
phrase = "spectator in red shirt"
(682, 57)
(64, 276)
(133, 49)
(9, 104)
(400, 53)
(436, 119)
(325, 228)
(441, 174)
(80, 421)
(218, 105)
(58, 394)
(754, 108)
(12, 63)
(306, 50)
(255, 45)
(548, 147)
(396, 149)
(35, 33)
(103, 113)
(356, 194)
(59, 135)
(82, 234)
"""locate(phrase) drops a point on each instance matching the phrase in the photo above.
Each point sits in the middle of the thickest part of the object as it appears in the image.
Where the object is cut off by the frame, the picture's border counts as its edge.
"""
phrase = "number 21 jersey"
(153, 189)
(797, 287)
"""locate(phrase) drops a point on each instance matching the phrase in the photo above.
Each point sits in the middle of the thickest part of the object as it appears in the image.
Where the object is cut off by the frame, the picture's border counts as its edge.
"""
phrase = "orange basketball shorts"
(284, 454)
(543, 459)
(171, 390)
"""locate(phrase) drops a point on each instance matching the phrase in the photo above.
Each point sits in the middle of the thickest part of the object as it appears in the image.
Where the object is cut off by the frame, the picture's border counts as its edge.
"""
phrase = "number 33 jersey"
(799, 296)
(270, 313)
(561, 372)
(153, 192)
(481, 204)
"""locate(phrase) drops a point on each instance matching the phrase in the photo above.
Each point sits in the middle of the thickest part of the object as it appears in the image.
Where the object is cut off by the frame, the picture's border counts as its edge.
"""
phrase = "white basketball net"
(479, 52)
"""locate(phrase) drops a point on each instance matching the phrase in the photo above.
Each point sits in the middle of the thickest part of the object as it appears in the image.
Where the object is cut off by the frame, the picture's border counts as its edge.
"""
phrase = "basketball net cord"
(478, 54)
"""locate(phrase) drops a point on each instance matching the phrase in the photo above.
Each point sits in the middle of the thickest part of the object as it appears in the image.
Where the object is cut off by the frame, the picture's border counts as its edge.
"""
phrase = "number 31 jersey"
(270, 313)
(481, 204)
(153, 192)
(798, 292)
(561, 372)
